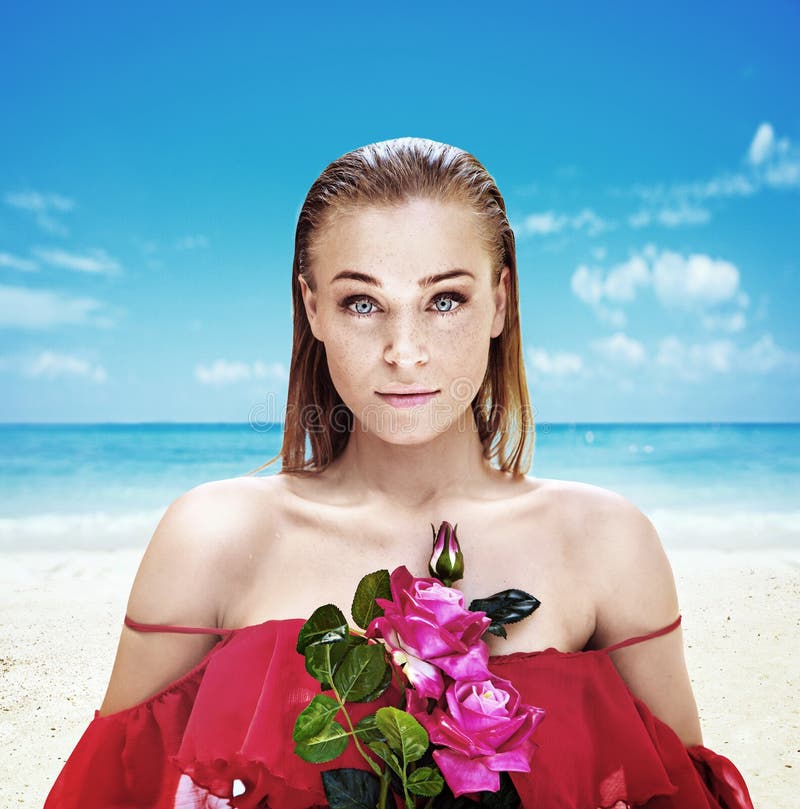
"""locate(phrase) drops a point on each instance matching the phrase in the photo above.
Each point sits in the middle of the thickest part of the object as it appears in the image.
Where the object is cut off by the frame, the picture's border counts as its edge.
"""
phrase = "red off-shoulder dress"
(221, 736)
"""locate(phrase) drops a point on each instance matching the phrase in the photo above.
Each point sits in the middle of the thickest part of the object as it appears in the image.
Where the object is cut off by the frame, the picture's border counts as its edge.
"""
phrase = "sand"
(61, 615)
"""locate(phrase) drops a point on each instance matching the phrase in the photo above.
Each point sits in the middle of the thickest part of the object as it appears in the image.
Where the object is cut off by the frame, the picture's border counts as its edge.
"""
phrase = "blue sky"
(153, 160)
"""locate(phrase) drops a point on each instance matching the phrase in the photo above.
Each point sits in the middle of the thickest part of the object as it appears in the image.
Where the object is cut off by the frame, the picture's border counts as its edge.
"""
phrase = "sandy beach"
(61, 614)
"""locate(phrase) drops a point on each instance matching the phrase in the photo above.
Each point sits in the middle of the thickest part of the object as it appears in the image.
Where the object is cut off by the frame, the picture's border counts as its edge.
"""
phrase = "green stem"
(375, 768)
(410, 802)
(386, 778)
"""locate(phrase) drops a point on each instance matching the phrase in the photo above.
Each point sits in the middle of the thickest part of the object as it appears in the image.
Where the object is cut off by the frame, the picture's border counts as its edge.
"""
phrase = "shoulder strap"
(639, 638)
(189, 630)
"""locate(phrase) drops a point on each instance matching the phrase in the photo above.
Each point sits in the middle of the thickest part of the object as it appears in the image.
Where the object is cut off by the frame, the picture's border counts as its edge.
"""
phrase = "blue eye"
(450, 296)
(366, 301)
(362, 301)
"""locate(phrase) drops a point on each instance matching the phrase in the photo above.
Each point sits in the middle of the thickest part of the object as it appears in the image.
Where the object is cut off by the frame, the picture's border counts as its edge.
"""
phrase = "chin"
(409, 430)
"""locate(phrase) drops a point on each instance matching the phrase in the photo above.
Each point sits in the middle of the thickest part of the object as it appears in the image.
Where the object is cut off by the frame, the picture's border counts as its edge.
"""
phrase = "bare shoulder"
(197, 553)
(203, 538)
(634, 593)
(620, 550)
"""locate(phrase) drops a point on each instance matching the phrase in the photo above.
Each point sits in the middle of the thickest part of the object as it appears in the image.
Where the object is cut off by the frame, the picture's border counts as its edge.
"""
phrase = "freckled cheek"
(348, 361)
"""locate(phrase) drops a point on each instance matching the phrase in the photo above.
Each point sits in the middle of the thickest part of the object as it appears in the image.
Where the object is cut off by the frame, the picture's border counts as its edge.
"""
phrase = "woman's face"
(404, 300)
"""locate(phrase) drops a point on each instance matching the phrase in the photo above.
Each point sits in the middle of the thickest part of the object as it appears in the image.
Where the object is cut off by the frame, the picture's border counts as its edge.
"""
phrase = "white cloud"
(35, 201)
(588, 219)
(556, 363)
(94, 261)
(765, 356)
(229, 372)
(733, 322)
(41, 205)
(690, 362)
(686, 281)
(762, 145)
(770, 162)
(550, 222)
(43, 309)
(618, 285)
(683, 214)
(17, 263)
(620, 348)
(192, 242)
(775, 160)
(51, 364)
(723, 185)
(621, 282)
(273, 370)
(587, 284)
(693, 362)
(614, 317)
(640, 219)
(544, 223)
(696, 282)
(784, 173)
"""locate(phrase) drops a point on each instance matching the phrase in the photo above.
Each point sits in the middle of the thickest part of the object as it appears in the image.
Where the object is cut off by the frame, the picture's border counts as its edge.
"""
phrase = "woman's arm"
(636, 594)
(180, 581)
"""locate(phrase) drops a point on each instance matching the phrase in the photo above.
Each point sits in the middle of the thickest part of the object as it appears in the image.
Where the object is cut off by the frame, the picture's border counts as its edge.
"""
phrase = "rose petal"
(469, 666)
(465, 775)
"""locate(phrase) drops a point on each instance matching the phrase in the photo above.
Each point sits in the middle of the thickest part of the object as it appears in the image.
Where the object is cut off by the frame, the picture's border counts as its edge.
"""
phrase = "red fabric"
(231, 717)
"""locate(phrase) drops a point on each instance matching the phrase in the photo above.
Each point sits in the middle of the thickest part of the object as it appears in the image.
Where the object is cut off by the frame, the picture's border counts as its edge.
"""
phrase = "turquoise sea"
(105, 486)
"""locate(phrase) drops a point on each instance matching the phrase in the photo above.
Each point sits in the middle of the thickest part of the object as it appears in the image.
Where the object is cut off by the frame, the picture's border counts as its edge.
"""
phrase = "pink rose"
(485, 730)
(429, 631)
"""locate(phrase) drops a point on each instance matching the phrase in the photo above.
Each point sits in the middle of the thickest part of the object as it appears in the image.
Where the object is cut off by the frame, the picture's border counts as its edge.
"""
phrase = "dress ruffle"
(245, 711)
(221, 736)
(602, 748)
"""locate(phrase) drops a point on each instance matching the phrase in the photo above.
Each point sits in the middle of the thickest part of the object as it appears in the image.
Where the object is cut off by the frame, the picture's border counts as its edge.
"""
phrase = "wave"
(96, 530)
(723, 528)
(727, 529)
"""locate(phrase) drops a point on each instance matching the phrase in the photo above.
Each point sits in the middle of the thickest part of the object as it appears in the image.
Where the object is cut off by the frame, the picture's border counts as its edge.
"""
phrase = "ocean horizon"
(720, 485)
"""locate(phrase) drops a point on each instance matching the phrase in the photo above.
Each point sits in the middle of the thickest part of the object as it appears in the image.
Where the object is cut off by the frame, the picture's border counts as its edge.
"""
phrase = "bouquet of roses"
(459, 729)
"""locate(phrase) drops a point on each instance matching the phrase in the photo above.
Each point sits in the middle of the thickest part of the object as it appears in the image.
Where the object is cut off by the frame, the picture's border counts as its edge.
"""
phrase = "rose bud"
(447, 561)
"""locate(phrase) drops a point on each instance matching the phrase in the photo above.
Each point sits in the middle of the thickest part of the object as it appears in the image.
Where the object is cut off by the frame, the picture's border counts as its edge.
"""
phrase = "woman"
(407, 382)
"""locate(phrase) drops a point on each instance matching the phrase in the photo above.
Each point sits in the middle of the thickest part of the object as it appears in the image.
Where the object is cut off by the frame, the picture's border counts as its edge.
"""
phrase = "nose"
(405, 345)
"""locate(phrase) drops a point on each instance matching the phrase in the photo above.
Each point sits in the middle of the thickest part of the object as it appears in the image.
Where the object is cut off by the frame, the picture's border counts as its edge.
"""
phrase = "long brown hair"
(385, 174)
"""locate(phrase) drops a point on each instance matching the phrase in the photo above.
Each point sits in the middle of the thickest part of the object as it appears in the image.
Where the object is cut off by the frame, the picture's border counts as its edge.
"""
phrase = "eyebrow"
(430, 280)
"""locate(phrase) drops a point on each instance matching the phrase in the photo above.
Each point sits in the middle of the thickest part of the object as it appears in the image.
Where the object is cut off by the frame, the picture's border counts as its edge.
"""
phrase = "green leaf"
(321, 661)
(327, 624)
(314, 717)
(372, 586)
(403, 733)
(382, 685)
(349, 788)
(361, 671)
(425, 781)
(367, 730)
(383, 750)
(325, 746)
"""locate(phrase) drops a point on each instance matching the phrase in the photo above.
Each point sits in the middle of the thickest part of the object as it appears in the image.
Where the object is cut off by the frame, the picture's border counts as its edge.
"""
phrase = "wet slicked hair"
(384, 174)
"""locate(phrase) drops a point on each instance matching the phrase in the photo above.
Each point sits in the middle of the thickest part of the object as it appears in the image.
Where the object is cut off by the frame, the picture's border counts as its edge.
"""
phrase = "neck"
(414, 476)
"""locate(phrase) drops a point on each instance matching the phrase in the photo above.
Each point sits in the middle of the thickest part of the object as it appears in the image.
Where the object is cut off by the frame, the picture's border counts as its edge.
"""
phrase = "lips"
(408, 399)
(406, 392)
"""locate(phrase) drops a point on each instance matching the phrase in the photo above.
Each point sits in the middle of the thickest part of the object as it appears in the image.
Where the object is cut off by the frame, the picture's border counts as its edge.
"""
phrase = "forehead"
(419, 231)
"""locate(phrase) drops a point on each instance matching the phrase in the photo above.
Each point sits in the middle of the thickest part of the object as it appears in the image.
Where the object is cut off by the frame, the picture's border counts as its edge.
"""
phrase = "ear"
(310, 303)
(501, 302)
